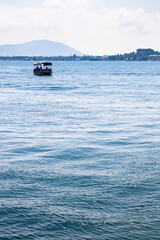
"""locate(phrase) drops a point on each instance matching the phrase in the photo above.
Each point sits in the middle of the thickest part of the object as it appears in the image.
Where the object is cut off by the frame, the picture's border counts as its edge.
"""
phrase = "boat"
(42, 68)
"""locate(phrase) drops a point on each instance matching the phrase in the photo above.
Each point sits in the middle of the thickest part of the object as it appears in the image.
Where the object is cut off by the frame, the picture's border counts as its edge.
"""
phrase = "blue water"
(80, 151)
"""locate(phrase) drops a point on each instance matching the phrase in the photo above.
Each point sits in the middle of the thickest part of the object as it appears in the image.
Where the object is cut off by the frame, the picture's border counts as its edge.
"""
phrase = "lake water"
(80, 151)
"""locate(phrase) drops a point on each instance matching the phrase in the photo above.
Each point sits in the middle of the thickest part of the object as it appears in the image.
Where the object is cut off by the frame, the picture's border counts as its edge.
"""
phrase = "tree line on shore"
(140, 55)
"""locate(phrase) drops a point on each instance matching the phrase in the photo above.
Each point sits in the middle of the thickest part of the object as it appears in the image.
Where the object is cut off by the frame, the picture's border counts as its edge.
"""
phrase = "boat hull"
(42, 72)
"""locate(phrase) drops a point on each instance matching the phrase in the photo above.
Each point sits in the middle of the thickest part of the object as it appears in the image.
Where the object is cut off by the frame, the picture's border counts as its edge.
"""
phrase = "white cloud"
(81, 25)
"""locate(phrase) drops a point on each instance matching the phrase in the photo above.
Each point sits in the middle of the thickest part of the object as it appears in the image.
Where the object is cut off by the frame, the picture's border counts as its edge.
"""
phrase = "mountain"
(38, 48)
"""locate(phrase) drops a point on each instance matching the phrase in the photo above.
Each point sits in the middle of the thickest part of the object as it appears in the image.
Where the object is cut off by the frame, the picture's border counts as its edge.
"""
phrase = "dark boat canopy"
(43, 63)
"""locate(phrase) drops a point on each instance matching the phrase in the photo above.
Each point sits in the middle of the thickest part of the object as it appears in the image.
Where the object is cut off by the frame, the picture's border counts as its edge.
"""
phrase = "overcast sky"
(97, 27)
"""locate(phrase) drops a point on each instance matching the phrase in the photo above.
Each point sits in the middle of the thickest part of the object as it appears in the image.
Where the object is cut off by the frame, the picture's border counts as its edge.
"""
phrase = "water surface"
(80, 151)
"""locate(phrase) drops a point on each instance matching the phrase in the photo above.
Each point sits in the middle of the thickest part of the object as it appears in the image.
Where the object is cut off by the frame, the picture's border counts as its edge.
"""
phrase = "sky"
(94, 27)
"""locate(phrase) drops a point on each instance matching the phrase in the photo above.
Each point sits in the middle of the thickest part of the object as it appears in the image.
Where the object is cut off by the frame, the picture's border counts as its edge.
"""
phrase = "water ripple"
(80, 151)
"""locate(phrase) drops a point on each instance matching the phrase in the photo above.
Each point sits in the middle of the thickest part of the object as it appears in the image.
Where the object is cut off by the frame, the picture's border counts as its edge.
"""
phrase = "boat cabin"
(42, 68)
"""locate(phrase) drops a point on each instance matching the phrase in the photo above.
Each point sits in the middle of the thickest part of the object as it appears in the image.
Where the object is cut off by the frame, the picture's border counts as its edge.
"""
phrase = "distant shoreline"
(71, 58)
(140, 55)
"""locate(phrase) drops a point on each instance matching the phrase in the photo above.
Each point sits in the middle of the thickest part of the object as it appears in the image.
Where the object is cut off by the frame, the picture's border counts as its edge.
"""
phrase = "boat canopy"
(43, 63)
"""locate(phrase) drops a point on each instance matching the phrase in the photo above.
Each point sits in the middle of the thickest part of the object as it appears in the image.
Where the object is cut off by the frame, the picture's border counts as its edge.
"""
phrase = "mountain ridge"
(38, 48)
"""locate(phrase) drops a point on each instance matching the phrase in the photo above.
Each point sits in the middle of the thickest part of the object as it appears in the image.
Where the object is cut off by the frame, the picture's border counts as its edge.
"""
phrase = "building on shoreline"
(145, 51)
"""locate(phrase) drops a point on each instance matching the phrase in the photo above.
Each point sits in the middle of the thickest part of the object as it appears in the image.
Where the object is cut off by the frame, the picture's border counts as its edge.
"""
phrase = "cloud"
(82, 25)
(69, 3)
(136, 21)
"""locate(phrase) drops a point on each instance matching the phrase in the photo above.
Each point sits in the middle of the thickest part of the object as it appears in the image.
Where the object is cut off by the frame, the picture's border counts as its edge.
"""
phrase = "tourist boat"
(42, 68)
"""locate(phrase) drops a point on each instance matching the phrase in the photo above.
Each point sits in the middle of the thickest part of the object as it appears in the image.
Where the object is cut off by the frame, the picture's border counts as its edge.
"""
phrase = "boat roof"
(43, 63)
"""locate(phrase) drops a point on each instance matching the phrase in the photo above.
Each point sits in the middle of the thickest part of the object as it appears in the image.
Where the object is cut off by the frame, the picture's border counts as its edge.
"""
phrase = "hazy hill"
(38, 48)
